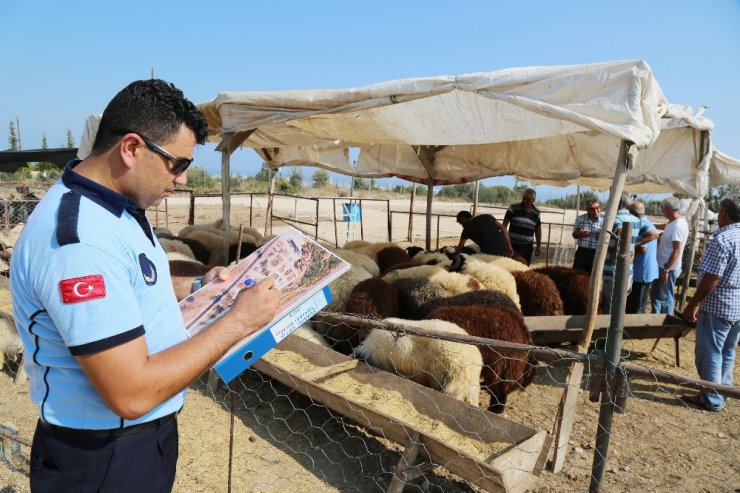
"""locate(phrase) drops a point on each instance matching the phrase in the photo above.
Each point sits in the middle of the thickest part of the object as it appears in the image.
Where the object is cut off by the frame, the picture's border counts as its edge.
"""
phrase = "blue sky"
(60, 61)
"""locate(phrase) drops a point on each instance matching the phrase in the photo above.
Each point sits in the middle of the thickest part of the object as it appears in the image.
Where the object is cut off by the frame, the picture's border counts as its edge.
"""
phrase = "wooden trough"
(513, 470)
(568, 328)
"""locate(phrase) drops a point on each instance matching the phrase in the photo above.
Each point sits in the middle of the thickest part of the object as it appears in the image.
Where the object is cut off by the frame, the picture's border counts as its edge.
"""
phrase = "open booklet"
(302, 270)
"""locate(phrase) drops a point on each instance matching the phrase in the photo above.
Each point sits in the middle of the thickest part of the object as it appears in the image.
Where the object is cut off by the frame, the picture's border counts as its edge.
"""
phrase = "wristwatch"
(197, 284)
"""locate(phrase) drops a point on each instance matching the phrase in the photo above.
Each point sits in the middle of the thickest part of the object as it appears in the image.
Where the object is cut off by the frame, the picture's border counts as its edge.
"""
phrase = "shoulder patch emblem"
(84, 288)
(148, 270)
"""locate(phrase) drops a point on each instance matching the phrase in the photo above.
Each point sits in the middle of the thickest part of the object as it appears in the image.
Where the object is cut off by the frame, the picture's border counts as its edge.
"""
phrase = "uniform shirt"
(646, 264)
(522, 224)
(676, 230)
(610, 265)
(88, 275)
(484, 231)
(721, 260)
(585, 222)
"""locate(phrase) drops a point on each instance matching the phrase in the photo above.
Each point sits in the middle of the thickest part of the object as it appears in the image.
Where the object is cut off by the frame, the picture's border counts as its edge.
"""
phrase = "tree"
(44, 143)
(70, 140)
(296, 179)
(12, 137)
(717, 194)
(199, 177)
(263, 175)
(320, 178)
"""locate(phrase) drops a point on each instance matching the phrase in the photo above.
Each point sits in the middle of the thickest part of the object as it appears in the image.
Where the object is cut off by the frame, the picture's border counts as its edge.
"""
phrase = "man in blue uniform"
(108, 357)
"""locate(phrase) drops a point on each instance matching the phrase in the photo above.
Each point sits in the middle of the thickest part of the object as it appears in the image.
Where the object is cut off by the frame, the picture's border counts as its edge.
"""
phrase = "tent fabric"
(723, 169)
(11, 161)
(556, 125)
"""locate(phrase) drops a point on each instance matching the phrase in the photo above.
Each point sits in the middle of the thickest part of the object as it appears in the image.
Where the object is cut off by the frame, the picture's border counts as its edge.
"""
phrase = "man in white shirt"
(670, 252)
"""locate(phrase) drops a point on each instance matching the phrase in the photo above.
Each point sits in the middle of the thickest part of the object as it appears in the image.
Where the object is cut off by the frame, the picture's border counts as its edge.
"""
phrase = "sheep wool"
(358, 260)
(391, 256)
(506, 263)
(489, 275)
(482, 297)
(451, 367)
(538, 294)
(413, 293)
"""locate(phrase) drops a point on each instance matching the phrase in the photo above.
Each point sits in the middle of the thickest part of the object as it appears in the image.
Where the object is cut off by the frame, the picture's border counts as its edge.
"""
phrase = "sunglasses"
(593, 208)
(179, 164)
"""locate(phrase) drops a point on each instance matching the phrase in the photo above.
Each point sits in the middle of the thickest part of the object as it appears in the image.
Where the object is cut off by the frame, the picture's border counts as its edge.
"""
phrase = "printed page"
(300, 266)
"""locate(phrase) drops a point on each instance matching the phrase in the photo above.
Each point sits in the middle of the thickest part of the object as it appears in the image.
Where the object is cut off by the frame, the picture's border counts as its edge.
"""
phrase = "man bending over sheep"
(486, 231)
(96, 309)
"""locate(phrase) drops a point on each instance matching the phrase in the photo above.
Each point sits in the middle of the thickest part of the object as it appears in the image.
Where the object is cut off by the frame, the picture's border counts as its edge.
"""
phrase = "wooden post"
(694, 229)
(334, 214)
(578, 200)
(430, 198)
(270, 193)
(226, 195)
(411, 214)
(191, 212)
(475, 197)
(567, 408)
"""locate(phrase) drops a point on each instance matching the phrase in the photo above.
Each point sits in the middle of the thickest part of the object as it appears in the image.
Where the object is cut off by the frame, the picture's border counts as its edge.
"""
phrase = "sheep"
(200, 251)
(264, 240)
(372, 249)
(186, 268)
(213, 243)
(307, 333)
(451, 367)
(413, 250)
(250, 235)
(413, 293)
(354, 244)
(246, 250)
(163, 233)
(358, 260)
(452, 282)
(538, 294)
(342, 286)
(490, 276)
(451, 251)
(389, 257)
(503, 371)
(371, 298)
(171, 245)
(181, 257)
(519, 258)
(482, 297)
(431, 258)
(506, 263)
(573, 286)
(11, 347)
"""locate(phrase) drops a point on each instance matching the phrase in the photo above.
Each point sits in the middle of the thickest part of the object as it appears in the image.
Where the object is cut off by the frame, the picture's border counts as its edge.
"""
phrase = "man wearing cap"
(523, 223)
(586, 233)
(670, 252)
(486, 232)
(645, 263)
(716, 306)
(108, 357)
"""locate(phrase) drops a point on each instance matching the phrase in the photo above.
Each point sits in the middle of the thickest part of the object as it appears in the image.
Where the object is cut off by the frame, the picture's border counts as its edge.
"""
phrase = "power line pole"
(18, 126)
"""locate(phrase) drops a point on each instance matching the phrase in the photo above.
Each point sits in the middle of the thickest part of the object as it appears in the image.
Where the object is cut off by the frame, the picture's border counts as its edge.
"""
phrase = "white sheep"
(249, 235)
(453, 283)
(183, 257)
(372, 249)
(506, 263)
(170, 245)
(358, 259)
(307, 333)
(451, 367)
(431, 258)
(10, 342)
(353, 244)
(489, 275)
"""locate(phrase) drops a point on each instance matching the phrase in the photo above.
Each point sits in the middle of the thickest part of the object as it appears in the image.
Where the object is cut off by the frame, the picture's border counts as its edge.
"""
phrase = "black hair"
(463, 215)
(153, 108)
(731, 206)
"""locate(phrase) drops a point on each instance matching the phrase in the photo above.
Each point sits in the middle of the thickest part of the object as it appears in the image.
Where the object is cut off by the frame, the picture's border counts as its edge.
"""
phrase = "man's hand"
(690, 311)
(663, 277)
(218, 272)
(537, 251)
(255, 307)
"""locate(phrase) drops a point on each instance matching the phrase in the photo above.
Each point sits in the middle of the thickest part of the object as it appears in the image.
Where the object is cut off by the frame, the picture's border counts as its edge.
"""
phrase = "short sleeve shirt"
(676, 230)
(646, 264)
(522, 224)
(610, 265)
(593, 226)
(721, 259)
(88, 275)
(484, 231)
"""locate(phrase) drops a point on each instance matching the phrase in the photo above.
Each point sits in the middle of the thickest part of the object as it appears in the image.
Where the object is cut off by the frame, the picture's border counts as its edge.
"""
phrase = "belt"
(584, 248)
(63, 431)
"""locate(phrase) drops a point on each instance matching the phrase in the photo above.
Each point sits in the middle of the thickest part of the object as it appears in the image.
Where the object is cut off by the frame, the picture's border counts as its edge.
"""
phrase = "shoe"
(696, 400)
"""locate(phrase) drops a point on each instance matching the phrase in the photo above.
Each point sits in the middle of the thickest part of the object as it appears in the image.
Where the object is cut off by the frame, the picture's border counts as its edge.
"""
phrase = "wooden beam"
(426, 157)
(475, 197)
(567, 411)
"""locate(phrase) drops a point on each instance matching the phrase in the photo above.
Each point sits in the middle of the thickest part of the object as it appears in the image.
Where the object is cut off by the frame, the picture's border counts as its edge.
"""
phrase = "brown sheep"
(538, 294)
(391, 256)
(483, 297)
(574, 288)
(503, 371)
(413, 293)
(183, 268)
(371, 298)
(200, 251)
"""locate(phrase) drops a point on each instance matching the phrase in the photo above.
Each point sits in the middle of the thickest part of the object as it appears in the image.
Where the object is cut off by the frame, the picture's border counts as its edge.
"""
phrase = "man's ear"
(130, 148)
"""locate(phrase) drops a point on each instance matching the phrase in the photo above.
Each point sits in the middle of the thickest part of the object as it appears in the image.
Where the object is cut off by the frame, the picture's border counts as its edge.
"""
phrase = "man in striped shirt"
(586, 233)
(716, 306)
(523, 222)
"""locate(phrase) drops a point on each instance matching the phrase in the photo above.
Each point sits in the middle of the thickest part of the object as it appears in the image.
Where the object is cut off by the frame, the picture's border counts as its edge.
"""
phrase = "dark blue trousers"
(140, 462)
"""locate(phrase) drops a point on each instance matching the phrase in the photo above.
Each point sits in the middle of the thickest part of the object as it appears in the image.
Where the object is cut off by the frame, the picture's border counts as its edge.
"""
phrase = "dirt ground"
(284, 441)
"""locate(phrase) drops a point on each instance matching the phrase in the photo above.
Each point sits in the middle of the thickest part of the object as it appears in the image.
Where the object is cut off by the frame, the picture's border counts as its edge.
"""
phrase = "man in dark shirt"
(486, 231)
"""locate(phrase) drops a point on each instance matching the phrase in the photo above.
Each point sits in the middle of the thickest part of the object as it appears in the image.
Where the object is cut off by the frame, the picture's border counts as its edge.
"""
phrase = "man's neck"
(95, 168)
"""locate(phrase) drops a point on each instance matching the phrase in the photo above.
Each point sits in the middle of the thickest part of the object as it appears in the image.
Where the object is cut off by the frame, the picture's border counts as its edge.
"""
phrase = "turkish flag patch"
(82, 289)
